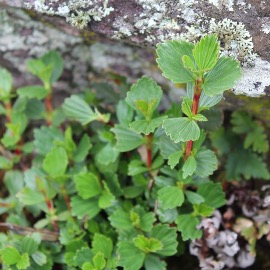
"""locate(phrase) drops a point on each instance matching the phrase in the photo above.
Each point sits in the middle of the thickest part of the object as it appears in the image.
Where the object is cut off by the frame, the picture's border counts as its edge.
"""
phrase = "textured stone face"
(243, 26)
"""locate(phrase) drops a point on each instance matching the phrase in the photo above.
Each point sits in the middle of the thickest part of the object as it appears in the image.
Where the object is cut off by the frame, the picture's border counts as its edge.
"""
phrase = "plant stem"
(66, 197)
(8, 110)
(149, 139)
(195, 107)
(49, 109)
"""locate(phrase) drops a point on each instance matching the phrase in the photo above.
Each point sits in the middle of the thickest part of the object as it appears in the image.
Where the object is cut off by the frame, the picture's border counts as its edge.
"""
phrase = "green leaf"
(245, 164)
(56, 162)
(121, 220)
(35, 91)
(169, 60)
(187, 225)
(30, 197)
(206, 52)
(167, 146)
(24, 262)
(131, 258)
(87, 185)
(124, 113)
(77, 109)
(127, 139)
(82, 208)
(193, 197)
(107, 198)
(189, 63)
(154, 263)
(223, 76)
(212, 193)
(174, 158)
(181, 129)
(203, 210)
(102, 244)
(170, 197)
(5, 164)
(206, 163)
(107, 154)
(99, 261)
(5, 84)
(189, 167)
(147, 127)
(10, 255)
(39, 258)
(144, 96)
(82, 149)
(29, 245)
(199, 117)
(54, 58)
(13, 181)
(147, 244)
(186, 107)
(168, 237)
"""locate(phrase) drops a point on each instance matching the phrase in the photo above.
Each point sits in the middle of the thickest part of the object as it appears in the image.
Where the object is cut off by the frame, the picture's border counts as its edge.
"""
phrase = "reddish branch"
(8, 111)
(149, 138)
(49, 109)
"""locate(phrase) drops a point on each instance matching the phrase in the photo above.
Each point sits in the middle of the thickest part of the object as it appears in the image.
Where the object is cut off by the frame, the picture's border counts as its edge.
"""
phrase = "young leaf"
(144, 97)
(87, 185)
(187, 225)
(170, 197)
(147, 127)
(222, 77)
(147, 244)
(99, 261)
(170, 62)
(212, 193)
(35, 91)
(24, 262)
(168, 238)
(206, 163)
(174, 158)
(82, 208)
(206, 52)
(10, 255)
(56, 162)
(186, 107)
(181, 129)
(131, 257)
(199, 117)
(189, 167)
(77, 109)
(5, 84)
(189, 63)
(126, 139)
(203, 210)
(106, 199)
(102, 244)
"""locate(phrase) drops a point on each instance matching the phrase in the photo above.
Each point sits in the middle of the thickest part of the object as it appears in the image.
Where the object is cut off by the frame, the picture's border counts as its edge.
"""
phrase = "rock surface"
(243, 27)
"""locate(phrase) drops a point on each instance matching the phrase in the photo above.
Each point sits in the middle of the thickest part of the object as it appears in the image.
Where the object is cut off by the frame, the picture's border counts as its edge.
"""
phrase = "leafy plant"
(121, 189)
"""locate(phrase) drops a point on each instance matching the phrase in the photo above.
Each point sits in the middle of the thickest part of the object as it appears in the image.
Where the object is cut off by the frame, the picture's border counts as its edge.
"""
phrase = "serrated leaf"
(131, 258)
(124, 113)
(199, 117)
(222, 77)
(168, 237)
(187, 225)
(194, 198)
(203, 210)
(82, 149)
(144, 96)
(24, 262)
(29, 245)
(167, 146)
(35, 91)
(30, 197)
(56, 162)
(102, 244)
(5, 83)
(120, 220)
(189, 167)
(107, 154)
(99, 261)
(154, 263)
(10, 255)
(147, 244)
(87, 185)
(174, 158)
(189, 63)
(77, 109)
(127, 139)
(186, 107)
(206, 52)
(147, 127)
(181, 129)
(106, 199)
(39, 258)
(206, 163)
(212, 193)
(82, 208)
(170, 62)
(170, 197)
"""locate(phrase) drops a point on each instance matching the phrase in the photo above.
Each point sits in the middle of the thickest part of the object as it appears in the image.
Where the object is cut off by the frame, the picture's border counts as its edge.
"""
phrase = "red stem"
(195, 107)
(8, 111)
(49, 109)
(149, 138)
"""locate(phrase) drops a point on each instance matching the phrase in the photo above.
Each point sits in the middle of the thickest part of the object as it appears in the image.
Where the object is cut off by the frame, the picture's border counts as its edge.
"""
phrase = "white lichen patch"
(254, 79)
(223, 3)
(77, 13)
(234, 39)
(266, 28)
